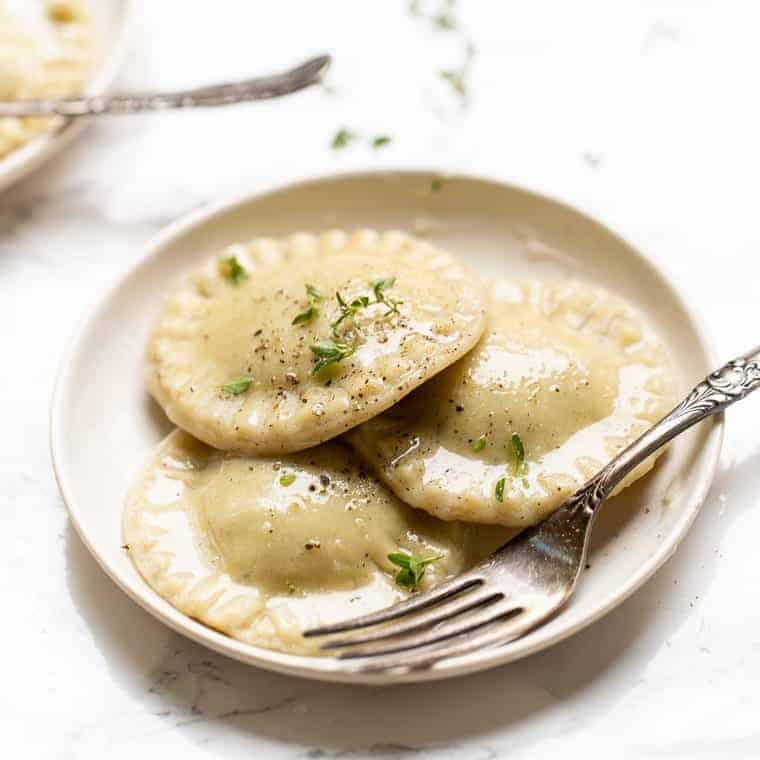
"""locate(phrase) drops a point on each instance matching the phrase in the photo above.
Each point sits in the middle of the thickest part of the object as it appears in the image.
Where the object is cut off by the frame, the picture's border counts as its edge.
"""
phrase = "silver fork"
(528, 579)
(261, 88)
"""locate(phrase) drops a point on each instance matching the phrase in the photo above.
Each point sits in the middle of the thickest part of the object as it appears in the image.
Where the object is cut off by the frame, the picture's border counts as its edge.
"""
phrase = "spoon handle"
(731, 383)
(261, 88)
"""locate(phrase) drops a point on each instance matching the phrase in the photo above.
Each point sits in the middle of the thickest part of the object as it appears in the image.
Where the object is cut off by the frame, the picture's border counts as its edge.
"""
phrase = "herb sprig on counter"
(342, 138)
(380, 141)
(412, 567)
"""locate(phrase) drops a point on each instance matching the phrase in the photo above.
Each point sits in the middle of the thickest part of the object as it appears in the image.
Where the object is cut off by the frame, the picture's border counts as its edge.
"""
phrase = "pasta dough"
(567, 373)
(263, 548)
(235, 357)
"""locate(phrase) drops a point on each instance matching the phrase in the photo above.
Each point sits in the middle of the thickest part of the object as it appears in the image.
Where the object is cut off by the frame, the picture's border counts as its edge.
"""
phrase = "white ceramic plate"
(112, 22)
(103, 424)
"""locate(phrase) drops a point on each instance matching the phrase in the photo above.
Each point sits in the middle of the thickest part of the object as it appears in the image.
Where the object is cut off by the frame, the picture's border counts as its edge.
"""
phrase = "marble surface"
(642, 113)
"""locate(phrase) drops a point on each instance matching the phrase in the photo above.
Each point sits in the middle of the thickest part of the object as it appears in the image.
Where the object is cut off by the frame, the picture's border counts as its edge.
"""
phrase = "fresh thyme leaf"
(518, 453)
(314, 295)
(237, 385)
(479, 443)
(287, 479)
(348, 310)
(445, 21)
(232, 269)
(412, 567)
(379, 287)
(381, 141)
(456, 79)
(306, 316)
(400, 559)
(328, 352)
(342, 138)
(499, 492)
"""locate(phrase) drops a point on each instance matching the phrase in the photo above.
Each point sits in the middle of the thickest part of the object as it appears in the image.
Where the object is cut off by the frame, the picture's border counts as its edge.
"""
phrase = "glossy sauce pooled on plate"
(261, 548)
(565, 376)
(278, 345)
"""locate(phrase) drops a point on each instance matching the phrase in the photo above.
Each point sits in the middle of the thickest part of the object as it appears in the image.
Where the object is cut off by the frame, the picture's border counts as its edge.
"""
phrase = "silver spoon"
(522, 584)
(261, 88)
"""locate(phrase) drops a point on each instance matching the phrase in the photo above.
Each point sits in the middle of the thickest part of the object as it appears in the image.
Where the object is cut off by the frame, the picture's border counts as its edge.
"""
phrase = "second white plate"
(112, 21)
(103, 424)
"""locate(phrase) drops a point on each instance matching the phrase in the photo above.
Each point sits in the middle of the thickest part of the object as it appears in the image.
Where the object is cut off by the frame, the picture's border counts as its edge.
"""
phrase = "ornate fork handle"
(261, 88)
(718, 390)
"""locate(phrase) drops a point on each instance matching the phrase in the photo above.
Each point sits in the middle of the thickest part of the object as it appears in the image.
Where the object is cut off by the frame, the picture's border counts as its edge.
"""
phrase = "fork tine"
(492, 634)
(447, 609)
(462, 625)
(440, 593)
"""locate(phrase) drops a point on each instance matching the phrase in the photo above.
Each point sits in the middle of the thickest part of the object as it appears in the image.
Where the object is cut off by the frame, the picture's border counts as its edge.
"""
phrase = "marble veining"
(639, 115)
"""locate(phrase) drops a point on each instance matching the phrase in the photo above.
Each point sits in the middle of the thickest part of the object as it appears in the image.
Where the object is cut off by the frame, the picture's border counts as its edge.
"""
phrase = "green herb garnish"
(436, 185)
(314, 297)
(237, 385)
(342, 138)
(233, 270)
(499, 492)
(313, 294)
(380, 141)
(347, 310)
(306, 316)
(287, 479)
(479, 443)
(458, 79)
(518, 453)
(328, 352)
(412, 567)
(445, 21)
(379, 287)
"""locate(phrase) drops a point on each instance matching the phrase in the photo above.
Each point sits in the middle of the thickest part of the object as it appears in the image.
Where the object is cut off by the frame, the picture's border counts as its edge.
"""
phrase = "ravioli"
(565, 376)
(262, 548)
(279, 345)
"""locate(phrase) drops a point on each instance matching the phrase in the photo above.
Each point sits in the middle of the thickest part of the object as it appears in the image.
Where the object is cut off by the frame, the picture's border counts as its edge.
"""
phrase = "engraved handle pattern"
(262, 88)
(718, 390)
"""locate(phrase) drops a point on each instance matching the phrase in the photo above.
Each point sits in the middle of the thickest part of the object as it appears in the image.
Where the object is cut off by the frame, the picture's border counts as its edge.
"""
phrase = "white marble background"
(643, 113)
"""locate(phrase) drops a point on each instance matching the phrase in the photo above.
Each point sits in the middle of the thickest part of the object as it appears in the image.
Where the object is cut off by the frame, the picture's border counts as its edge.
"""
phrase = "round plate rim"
(327, 669)
(24, 160)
